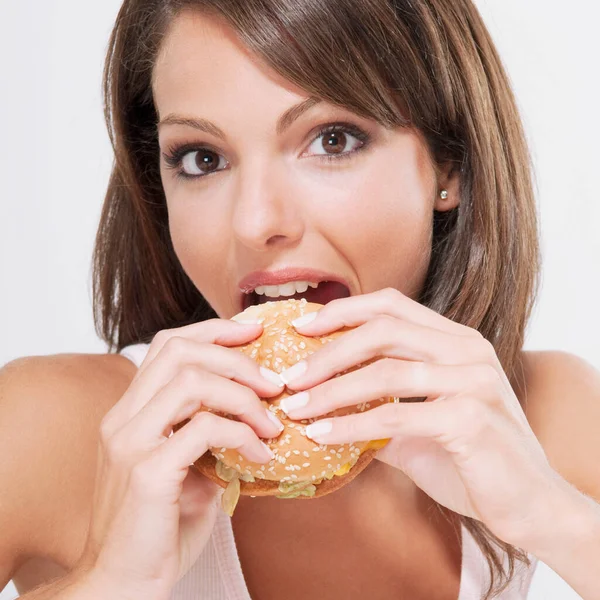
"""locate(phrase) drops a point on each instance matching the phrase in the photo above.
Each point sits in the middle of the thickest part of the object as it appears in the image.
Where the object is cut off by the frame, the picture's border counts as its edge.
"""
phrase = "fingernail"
(293, 402)
(293, 372)
(271, 376)
(275, 420)
(247, 322)
(268, 450)
(318, 428)
(300, 321)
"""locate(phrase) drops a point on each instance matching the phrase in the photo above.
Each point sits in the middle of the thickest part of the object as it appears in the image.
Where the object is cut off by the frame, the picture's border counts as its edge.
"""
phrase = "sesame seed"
(294, 476)
(305, 453)
(306, 464)
(296, 452)
(288, 453)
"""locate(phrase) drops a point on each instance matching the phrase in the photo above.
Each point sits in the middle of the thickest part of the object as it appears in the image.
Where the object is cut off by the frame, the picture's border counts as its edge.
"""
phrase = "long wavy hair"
(426, 64)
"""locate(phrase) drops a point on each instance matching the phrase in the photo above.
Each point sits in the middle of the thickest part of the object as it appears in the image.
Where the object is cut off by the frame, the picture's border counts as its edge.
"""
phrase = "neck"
(381, 515)
(382, 492)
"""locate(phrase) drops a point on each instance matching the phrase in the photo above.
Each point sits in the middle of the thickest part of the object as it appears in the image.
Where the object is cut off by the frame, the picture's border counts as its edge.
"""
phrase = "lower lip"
(324, 293)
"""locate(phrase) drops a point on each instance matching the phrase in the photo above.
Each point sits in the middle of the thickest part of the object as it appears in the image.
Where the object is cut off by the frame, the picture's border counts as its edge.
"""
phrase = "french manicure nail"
(305, 320)
(318, 428)
(275, 420)
(269, 451)
(293, 372)
(293, 402)
(271, 376)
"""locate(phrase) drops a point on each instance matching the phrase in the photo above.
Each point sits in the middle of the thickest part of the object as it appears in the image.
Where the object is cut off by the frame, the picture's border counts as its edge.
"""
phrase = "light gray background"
(55, 162)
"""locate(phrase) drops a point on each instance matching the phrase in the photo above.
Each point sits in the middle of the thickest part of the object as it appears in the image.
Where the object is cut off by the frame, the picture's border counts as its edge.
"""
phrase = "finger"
(176, 355)
(425, 419)
(393, 338)
(206, 430)
(355, 310)
(388, 377)
(225, 332)
(190, 391)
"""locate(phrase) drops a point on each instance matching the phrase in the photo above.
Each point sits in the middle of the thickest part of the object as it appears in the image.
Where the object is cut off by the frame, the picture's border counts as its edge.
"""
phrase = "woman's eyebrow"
(283, 123)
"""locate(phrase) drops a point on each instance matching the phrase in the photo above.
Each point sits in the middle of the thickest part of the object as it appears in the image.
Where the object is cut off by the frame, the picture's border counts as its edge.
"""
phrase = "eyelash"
(175, 154)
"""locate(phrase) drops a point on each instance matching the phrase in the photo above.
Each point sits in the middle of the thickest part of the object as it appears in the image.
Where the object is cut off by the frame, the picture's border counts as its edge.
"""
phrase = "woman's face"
(358, 204)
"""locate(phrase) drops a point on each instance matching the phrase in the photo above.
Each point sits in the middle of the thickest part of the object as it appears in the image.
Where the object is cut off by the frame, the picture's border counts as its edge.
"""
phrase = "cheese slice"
(372, 445)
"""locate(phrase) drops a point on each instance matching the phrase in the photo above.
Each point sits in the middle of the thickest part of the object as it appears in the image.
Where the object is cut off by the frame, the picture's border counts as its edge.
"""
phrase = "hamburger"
(302, 468)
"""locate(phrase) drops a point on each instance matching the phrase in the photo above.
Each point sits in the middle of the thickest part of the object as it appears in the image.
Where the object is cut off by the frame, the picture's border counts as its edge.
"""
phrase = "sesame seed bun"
(299, 461)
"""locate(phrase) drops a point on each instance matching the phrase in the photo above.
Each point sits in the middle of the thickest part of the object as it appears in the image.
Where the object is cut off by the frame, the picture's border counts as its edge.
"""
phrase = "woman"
(365, 140)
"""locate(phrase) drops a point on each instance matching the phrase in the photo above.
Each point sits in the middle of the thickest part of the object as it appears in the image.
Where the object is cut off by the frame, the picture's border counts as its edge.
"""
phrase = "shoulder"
(50, 410)
(560, 395)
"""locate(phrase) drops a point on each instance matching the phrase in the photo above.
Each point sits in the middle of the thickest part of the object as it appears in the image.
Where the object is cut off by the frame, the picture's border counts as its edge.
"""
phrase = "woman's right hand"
(152, 515)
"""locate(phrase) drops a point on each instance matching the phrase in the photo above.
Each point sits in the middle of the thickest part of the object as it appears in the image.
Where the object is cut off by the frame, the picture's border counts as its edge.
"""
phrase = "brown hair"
(427, 64)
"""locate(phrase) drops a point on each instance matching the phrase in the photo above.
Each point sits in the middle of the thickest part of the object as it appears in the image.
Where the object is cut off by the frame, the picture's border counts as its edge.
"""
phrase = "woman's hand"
(152, 515)
(468, 445)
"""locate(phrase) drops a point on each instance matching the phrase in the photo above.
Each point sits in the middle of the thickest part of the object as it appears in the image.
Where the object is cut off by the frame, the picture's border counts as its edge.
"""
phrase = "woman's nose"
(266, 209)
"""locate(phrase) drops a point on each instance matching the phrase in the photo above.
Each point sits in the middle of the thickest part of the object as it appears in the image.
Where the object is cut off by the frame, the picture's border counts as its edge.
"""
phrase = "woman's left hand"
(468, 445)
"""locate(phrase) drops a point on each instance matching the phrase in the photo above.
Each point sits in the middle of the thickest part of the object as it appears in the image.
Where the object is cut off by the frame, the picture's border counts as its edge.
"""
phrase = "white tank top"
(217, 574)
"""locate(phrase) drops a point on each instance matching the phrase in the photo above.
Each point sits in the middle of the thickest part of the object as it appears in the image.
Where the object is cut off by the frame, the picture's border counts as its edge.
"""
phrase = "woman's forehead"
(202, 61)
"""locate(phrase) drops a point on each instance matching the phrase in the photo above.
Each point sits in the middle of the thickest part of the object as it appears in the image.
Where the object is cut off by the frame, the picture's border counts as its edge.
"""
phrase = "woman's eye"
(333, 142)
(201, 162)
(336, 142)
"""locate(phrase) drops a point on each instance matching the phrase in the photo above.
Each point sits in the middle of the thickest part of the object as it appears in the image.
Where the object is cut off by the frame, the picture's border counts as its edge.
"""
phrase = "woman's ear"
(449, 182)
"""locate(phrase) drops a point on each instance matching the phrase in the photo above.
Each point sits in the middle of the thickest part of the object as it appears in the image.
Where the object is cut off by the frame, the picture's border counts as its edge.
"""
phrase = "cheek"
(200, 249)
(390, 228)
(383, 220)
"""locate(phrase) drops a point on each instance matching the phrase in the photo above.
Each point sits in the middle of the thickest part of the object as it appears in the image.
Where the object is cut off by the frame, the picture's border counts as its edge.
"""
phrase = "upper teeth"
(287, 289)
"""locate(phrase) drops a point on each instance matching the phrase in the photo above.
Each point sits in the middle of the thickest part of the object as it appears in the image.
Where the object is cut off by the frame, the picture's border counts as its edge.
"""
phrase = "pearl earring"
(443, 194)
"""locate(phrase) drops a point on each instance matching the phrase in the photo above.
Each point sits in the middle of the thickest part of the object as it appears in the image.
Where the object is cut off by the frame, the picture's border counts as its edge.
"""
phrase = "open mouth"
(325, 292)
